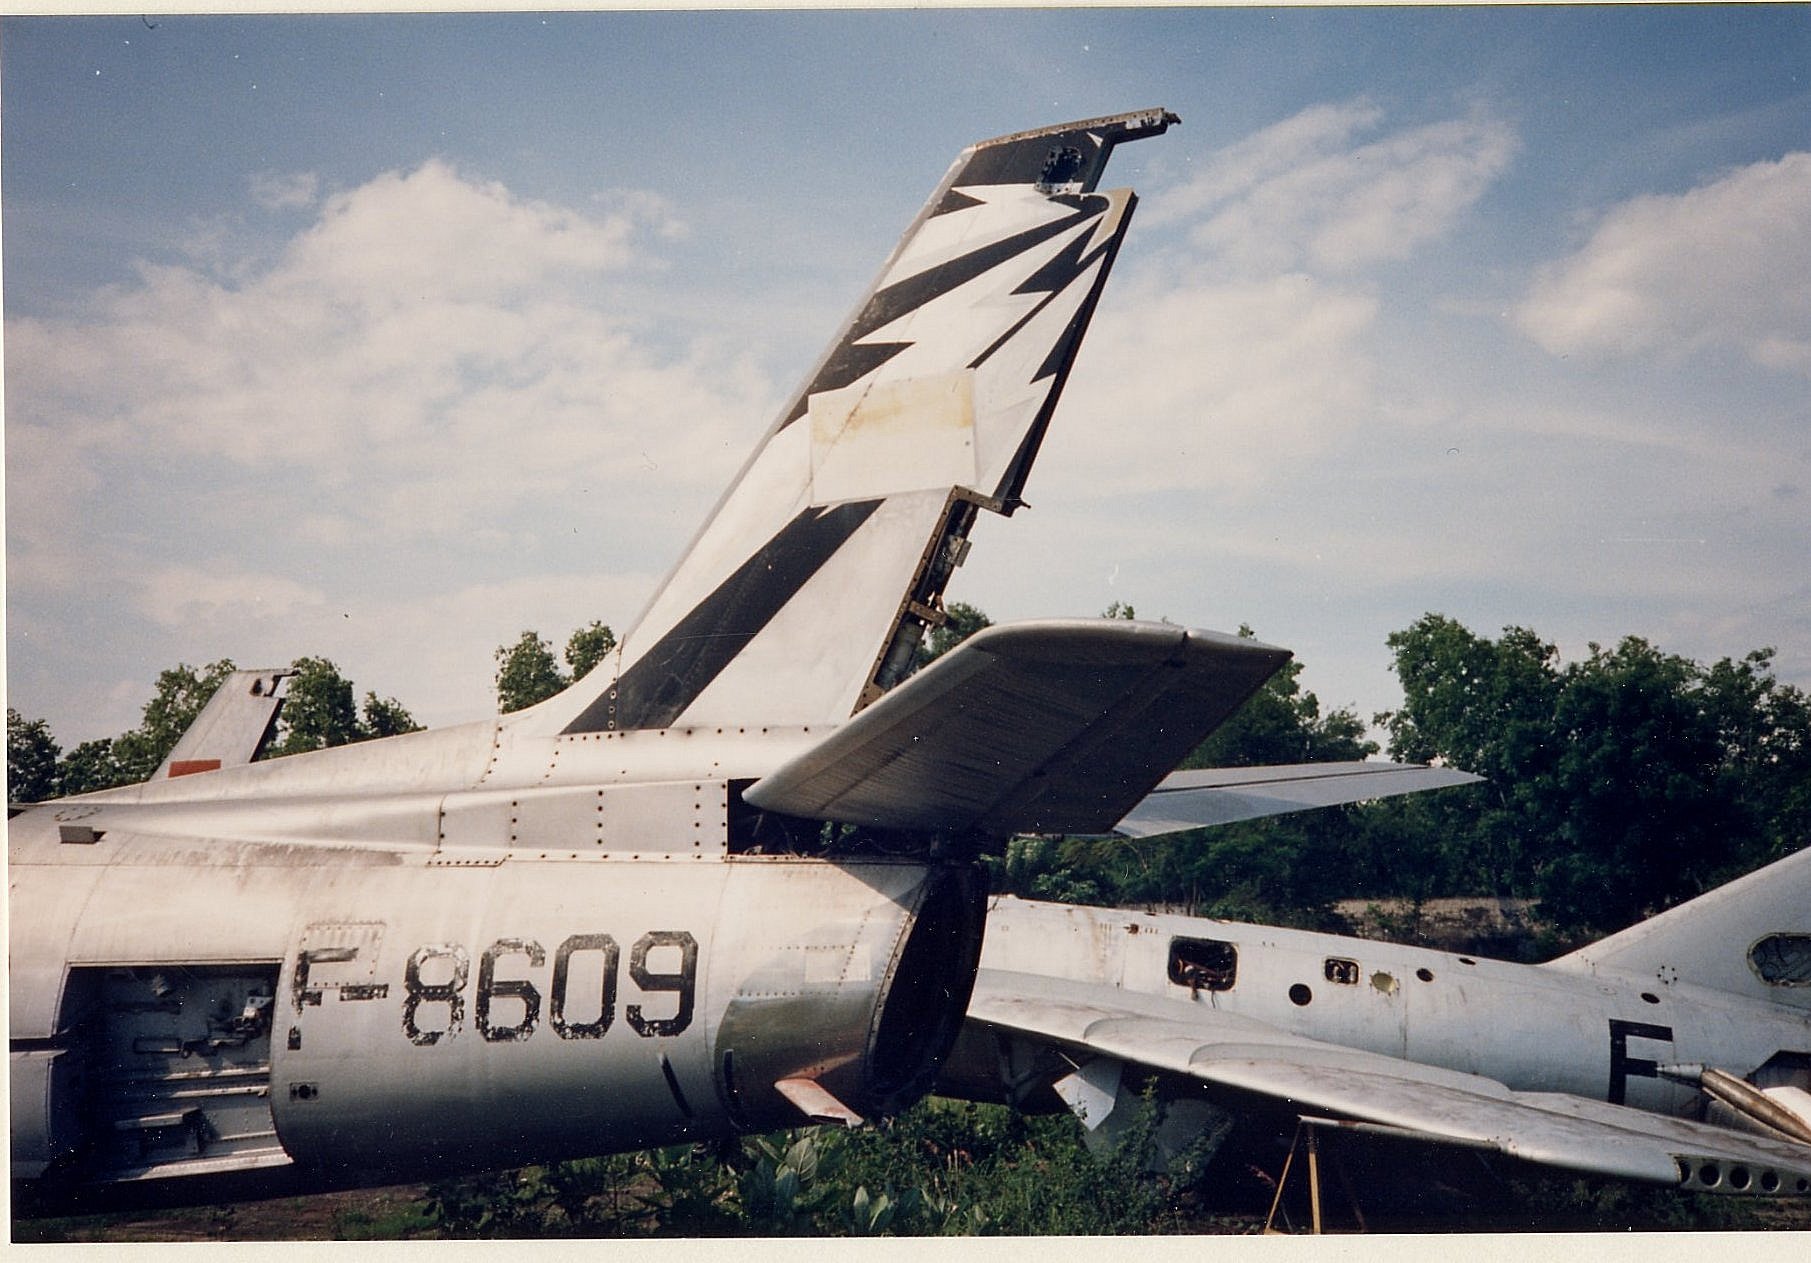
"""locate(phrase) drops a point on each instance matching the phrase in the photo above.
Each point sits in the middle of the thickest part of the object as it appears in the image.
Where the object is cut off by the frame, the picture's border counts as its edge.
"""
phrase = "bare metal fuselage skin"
(571, 962)
(1534, 1028)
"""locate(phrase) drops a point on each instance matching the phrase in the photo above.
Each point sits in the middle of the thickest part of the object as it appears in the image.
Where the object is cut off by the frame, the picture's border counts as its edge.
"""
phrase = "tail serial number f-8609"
(597, 979)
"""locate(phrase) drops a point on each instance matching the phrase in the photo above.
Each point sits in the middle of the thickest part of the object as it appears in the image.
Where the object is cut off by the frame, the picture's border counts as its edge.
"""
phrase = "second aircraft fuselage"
(1538, 1028)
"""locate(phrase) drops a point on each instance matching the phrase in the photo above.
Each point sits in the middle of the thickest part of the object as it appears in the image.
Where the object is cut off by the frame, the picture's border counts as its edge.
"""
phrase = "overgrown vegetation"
(940, 1169)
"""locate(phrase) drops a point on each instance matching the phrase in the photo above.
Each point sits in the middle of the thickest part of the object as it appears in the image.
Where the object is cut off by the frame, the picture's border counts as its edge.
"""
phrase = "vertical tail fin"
(808, 589)
(235, 725)
(1751, 937)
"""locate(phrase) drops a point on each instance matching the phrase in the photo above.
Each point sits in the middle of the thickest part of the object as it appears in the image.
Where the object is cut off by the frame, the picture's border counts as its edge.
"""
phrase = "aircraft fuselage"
(1535, 1028)
(455, 980)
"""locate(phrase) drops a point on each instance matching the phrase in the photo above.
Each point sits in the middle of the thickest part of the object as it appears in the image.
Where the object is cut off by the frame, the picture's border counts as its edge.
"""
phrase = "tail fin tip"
(826, 560)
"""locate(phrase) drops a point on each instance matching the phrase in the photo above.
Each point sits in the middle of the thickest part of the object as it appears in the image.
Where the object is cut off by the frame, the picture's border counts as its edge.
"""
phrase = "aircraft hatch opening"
(1782, 960)
(1203, 964)
(158, 1070)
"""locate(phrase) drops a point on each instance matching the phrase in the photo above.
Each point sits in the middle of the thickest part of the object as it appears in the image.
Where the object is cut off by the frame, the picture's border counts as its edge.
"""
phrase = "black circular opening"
(1426, 975)
(1650, 997)
(1738, 1177)
(1299, 994)
(929, 990)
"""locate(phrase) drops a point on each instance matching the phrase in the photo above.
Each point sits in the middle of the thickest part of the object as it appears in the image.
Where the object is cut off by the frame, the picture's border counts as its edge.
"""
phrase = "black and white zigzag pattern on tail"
(855, 357)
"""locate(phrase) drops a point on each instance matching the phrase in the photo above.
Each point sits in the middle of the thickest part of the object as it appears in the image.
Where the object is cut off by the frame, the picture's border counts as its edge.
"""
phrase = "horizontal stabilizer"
(1042, 727)
(1211, 796)
(233, 727)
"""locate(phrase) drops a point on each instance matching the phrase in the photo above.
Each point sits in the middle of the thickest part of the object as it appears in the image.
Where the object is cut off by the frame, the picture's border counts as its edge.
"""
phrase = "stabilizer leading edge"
(806, 593)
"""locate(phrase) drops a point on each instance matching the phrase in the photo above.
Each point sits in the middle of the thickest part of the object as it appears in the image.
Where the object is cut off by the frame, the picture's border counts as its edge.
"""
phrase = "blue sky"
(384, 338)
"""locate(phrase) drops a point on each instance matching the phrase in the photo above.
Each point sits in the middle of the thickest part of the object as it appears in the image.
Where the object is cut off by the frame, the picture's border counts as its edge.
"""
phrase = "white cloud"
(179, 596)
(1251, 344)
(475, 349)
(1303, 194)
(1721, 266)
(295, 191)
(1211, 385)
(384, 433)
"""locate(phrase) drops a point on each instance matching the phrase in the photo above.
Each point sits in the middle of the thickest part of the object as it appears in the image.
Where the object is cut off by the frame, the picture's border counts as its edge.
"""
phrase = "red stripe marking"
(188, 767)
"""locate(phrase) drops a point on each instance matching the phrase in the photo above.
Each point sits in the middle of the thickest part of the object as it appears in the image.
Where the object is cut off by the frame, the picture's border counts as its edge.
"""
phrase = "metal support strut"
(1306, 1128)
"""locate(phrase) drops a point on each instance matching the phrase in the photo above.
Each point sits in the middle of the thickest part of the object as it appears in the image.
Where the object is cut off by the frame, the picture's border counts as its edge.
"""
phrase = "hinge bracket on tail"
(922, 606)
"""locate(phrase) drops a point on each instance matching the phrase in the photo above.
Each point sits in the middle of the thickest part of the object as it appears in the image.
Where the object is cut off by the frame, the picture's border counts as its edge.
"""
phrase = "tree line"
(1616, 785)
(318, 711)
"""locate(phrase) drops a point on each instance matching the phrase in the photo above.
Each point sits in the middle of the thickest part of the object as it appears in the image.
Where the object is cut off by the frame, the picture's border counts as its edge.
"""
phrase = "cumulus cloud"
(178, 596)
(1252, 372)
(294, 191)
(361, 428)
(1254, 329)
(1720, 266)
(1309, 193)
(457, 337)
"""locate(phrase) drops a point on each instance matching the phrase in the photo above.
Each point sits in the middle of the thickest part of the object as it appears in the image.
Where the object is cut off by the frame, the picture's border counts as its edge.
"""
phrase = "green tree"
(1646, 813)
(1618, 785)
(385, 717)
(1282, 723)
(587, 647)
(31, 759)
(318, 710)
(1764, 729)
(962, 622)
(526, 673)
(90, 766)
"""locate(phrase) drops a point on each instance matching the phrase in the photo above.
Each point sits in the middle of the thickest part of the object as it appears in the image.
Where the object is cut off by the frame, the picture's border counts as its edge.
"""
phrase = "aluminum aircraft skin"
(1675, 1052)
(725, 882)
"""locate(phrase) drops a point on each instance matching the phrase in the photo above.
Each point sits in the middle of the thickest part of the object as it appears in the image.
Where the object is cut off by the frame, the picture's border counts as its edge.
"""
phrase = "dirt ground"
(361, 1213)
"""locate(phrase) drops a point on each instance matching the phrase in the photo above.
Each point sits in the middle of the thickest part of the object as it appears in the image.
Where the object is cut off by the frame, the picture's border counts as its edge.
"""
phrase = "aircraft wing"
(1211, 796)
(1371, 1092)
(1056, 726)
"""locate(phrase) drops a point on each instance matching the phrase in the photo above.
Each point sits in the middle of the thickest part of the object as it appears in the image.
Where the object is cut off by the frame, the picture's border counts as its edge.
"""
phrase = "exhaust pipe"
(1774, 1115)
